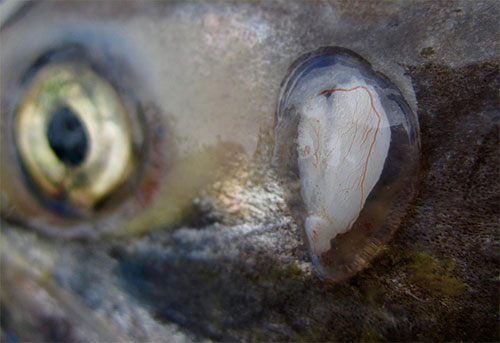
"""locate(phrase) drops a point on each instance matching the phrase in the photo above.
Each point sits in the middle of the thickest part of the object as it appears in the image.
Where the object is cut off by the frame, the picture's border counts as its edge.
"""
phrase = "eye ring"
(94, 104)
(121, 210)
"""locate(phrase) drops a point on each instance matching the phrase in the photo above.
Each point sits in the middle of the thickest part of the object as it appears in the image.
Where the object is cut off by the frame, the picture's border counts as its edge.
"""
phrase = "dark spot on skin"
(427, 52)
(67, 137)
(393, 23)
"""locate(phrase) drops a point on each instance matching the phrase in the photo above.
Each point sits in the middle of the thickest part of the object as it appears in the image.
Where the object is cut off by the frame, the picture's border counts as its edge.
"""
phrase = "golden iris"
(73, 135)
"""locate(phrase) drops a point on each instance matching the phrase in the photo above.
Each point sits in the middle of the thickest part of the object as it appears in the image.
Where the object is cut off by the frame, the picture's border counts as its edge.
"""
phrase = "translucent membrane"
(348, 140)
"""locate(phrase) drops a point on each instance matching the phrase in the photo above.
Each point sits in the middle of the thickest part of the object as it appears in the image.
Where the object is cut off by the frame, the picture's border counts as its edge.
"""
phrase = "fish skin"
(240, 272)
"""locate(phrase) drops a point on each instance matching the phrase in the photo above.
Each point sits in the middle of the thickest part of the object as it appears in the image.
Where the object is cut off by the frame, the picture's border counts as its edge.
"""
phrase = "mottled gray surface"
(236, 268)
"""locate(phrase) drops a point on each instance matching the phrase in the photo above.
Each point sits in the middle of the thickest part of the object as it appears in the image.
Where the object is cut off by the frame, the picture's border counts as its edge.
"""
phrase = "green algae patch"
(275, 276)
(293, 270)
(371, 335)
(433, 275)
(373, 293)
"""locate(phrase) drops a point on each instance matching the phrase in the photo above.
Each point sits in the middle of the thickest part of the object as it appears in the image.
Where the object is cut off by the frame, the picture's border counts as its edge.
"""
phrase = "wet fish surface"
(200, 238)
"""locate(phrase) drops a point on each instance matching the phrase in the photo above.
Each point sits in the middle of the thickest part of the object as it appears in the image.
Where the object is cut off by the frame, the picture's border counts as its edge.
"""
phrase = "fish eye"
(83, 146)
(348, 142)
(73, 136)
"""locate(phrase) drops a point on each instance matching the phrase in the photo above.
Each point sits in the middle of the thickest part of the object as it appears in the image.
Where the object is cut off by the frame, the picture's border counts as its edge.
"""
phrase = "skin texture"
(215, 253)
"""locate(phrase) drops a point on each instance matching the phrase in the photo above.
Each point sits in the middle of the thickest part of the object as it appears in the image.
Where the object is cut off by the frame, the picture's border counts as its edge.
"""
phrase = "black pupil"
(67, 136)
